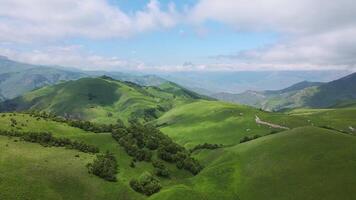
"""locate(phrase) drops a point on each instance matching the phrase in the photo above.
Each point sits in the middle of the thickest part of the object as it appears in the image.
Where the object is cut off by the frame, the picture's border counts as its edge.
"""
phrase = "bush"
(146, 184)
(160, 169)
(206, 146)
(249, 138)
(104, 166)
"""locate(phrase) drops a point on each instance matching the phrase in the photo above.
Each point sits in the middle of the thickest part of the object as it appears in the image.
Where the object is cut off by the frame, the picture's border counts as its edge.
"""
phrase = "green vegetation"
(103, 100)
(104, 166)
(143, 142)
(303, 163)
(157, 140)
(216, 122)
(47, 140)
(146, 184)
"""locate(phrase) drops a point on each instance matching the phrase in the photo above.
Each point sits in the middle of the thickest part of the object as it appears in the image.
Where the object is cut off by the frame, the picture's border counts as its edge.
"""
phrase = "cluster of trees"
(141, 141)
(134, 142)
(105, 166)
(160, 169)
(206, 146)
(85, 125)
(175, 153)
(47, 140)
(249, 138)
(146, 184)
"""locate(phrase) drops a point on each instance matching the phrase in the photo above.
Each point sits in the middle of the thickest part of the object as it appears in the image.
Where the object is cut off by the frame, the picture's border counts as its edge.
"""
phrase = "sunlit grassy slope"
(306, 162)
(303, 163)
(219, 123)
(55, 173)
(341, 119)
(103, 100)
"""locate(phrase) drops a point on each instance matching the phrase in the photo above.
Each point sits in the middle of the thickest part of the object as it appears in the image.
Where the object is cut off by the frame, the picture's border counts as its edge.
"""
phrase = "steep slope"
(334, 93)
(303, 163)
(103, 100)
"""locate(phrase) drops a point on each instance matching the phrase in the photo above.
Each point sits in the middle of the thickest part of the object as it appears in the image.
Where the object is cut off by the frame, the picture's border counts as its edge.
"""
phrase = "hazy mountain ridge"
(17, 78)
(303, 94)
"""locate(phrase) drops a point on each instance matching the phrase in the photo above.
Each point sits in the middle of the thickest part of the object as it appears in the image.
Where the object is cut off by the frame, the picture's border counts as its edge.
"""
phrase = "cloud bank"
(41, 20)
(313, 34)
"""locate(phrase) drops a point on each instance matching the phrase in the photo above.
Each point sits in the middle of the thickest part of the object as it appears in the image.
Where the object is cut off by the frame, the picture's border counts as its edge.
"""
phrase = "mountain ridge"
(303, 94)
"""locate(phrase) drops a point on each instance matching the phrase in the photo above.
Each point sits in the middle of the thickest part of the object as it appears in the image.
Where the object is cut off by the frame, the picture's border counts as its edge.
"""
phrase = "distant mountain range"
(209, 83)
(17, 78)
(304, 94)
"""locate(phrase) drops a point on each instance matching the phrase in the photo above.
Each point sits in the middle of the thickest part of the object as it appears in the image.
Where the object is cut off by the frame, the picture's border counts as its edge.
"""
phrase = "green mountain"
(103, 100)
(18, 78)
(290, 97)
(304, 94)
(334, 93)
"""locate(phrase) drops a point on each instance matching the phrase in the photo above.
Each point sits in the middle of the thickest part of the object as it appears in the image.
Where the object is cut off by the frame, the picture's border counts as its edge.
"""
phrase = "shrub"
(104, 166)
(206, 146)
(146, 184)
(249, 138)
(160, 168)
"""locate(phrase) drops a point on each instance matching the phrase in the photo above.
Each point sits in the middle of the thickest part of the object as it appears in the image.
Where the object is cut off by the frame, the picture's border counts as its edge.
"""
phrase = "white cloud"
(71, 56)
(315, 34)
(25, 21)
(291, 16)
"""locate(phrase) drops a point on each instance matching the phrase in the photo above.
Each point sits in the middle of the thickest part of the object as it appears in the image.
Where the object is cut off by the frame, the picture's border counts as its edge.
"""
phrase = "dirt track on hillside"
(259, 121)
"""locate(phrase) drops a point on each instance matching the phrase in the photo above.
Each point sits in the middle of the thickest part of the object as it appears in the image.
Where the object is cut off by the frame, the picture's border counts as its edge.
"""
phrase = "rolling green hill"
(103, 100)
(217, 122)
(17, 78)
(310, 156)
(301, 163)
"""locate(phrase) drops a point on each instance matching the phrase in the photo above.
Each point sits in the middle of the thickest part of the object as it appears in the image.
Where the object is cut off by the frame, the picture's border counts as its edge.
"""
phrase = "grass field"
(219, 123)
(306, 162)
(59, 158)
(303, 163)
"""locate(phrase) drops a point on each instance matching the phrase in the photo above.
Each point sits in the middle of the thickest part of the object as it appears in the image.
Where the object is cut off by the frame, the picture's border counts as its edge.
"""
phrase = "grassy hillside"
(303, 163)
(103, 100)
(58, 172)
(271, 167)
(220, 123)
(341, 119)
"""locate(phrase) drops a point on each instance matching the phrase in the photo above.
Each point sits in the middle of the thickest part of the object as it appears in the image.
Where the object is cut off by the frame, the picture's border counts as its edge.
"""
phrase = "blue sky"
(150, 35)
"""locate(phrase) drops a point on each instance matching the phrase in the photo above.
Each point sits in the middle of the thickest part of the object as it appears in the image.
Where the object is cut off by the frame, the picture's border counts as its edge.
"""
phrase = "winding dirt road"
(259, 121)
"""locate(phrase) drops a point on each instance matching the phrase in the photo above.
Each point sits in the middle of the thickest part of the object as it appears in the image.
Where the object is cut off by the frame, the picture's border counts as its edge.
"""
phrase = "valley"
(241, 149)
